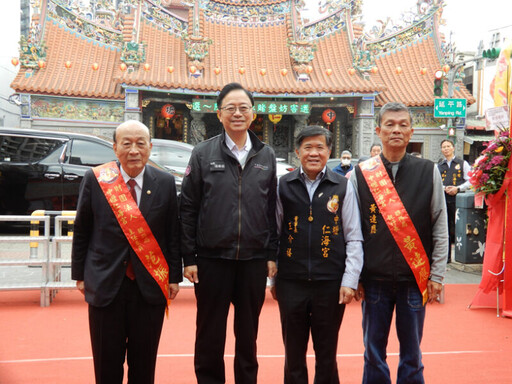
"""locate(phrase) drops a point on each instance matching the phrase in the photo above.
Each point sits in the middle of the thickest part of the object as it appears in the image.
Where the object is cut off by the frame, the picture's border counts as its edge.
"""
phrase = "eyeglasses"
(231, 109)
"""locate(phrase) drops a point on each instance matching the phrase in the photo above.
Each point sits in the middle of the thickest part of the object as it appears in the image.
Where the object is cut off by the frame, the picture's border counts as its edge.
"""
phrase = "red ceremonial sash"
(398, 221)
(133, 224)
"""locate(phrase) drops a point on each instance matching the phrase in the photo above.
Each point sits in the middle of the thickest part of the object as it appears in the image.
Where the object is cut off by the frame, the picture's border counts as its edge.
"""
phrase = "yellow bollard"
(34, 231)
(71, 223)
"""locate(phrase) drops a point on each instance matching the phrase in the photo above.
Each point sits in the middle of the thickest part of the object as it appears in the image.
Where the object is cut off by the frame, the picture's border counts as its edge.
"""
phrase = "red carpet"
(51, 345)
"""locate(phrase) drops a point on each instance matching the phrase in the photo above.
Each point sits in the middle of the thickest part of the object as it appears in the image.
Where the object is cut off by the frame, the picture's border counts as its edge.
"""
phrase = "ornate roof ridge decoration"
(31, 53)
(248, 3)
(327, 26)
(302, 54)
(60, 13)
(251, 13)
(196, 47)
(133, 53)
(366, 51)
(164, 19)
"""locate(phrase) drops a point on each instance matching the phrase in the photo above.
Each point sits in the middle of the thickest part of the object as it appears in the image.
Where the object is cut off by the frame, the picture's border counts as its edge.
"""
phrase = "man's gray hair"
(394, 107)
(346, 152)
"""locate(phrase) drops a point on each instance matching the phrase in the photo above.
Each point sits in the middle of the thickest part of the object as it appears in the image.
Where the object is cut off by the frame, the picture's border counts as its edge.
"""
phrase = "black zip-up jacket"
(228, 212)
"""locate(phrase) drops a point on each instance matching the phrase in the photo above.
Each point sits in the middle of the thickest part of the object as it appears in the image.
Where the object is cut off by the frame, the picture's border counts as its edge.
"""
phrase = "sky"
(469, 20)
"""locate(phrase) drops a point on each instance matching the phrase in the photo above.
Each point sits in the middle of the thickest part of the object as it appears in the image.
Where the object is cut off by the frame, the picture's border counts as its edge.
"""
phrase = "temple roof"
(261, 46)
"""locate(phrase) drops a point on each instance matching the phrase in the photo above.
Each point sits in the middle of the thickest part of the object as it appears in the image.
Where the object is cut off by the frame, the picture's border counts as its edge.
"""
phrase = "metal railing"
(18, 257)
(44, 252)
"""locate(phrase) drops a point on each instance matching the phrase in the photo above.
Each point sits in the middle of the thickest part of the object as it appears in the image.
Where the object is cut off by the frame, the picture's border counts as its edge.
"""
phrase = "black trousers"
(221, 283)
(130, 327)
(450, 210)
(310, 306)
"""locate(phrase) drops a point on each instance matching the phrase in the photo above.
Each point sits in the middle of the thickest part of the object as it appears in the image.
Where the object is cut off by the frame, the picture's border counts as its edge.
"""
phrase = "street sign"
(449, 108)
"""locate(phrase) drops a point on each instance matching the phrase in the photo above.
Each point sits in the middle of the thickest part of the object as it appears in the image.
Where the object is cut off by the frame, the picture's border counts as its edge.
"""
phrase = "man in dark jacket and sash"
(403, 216)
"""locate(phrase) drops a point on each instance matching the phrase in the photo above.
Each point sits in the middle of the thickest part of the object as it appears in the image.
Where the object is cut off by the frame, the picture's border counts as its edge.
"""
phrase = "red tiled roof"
(234, 47)
(80, 80)
(410, 86)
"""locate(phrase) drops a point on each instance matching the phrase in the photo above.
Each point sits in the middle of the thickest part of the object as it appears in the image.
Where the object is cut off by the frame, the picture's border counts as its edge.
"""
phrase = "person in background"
(455, 175)
(127, 211)
(345, 166)
(320, 257)
(403, 218)
(229, 236)
(416, 154)
(375, 150)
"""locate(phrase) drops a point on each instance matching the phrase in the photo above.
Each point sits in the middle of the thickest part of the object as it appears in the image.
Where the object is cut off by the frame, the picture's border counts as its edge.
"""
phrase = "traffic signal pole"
(454, 68)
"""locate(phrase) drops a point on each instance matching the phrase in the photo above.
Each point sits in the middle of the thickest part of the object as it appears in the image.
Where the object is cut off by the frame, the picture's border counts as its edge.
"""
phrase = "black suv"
(43, 169)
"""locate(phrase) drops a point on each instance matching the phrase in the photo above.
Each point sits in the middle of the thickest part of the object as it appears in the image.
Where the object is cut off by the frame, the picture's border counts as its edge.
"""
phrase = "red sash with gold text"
(398, 221)
(133, 224)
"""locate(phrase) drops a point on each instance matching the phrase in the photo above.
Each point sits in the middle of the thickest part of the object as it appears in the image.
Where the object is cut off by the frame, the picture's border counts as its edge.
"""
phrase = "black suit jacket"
(101, 251)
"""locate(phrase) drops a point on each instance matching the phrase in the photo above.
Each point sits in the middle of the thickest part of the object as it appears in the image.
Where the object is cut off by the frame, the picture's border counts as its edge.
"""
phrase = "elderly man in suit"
(125, 254)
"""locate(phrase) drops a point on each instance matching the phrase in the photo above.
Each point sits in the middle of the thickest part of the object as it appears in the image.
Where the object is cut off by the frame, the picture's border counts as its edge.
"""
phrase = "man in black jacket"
(126, 212)
(320, 257)
(455, 175)
(229, 239)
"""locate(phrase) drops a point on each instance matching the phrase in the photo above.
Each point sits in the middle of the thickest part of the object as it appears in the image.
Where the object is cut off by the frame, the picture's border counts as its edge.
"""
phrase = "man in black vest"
(454, 173)
(320, 257)
(405, 246)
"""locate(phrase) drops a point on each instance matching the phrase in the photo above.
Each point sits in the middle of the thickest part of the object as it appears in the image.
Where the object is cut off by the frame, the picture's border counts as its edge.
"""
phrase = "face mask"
(345, 162)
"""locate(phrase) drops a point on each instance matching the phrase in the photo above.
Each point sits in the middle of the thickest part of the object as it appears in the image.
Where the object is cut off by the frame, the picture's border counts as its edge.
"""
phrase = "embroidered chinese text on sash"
(133, 224)
(398, 221)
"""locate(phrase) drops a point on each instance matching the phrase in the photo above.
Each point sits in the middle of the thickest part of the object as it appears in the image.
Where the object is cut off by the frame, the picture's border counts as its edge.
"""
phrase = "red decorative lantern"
(168, 111)
(41, 64)
(423, 71)
(284, 72)
(263, 71)
(216, 70)
(275, 118)
(15, 61)
(95, 66)
(67, 64)
(374, 70)
(446, 68)
(328, 71)
(192, 69)
(241, 70)
(351, 71)
(146, 67)
(309, 69)
(122, 67)
(170, 69)
(398, 70)
(328, 116)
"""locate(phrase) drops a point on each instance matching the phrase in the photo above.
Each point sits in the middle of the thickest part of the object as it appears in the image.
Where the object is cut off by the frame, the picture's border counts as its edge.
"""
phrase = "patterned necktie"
(132, 183)
(129, 268)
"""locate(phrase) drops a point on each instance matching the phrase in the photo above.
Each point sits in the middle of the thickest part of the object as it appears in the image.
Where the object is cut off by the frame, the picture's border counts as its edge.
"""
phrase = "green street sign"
(449, 108)
(260, 107)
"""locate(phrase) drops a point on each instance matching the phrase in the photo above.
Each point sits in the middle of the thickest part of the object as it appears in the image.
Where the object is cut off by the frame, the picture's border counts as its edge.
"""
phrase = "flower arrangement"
(490, 168)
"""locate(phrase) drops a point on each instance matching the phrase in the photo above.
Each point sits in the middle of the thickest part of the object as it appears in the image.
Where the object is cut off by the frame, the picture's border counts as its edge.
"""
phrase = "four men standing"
(126, 251)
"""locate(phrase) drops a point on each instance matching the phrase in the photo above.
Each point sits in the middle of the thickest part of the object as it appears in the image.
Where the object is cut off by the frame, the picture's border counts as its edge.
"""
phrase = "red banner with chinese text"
(133, 224)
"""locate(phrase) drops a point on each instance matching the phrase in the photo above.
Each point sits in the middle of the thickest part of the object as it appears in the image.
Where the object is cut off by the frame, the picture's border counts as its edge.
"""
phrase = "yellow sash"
(398, 221)
(133, 224)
